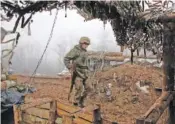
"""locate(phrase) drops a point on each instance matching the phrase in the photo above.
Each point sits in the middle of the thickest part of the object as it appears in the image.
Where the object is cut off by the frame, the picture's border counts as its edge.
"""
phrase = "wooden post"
(16, 114)
(53, 108)
(97, 116)
(169, 60)
(140, 121)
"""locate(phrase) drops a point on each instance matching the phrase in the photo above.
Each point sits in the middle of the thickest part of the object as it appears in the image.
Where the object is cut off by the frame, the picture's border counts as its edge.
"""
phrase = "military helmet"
(84, 40)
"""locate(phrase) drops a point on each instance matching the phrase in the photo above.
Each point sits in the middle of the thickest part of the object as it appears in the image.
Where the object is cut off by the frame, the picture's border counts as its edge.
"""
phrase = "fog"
(67, 32)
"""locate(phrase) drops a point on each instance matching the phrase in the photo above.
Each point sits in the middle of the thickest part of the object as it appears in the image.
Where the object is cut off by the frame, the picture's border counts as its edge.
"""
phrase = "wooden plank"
(42, 113)
(30, 99)
(62, 113)
(33, 119)
(85, 116)
(67, 120)
(35, 103)
(80, 121)
(67, 108)
(88, 115)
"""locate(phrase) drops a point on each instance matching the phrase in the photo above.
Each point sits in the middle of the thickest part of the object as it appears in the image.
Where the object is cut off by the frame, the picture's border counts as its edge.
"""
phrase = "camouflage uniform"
(79, 57)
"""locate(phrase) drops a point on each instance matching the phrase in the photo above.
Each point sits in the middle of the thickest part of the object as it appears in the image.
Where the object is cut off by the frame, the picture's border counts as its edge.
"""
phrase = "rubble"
(12, 92)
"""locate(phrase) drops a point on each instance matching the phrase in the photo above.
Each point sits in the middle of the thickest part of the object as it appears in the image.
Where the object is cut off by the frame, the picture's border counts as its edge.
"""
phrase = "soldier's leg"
(83, 93)
(78, 90)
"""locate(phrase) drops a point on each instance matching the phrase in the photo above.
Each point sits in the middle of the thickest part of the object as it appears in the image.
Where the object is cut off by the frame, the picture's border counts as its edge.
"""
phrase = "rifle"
(72, 79)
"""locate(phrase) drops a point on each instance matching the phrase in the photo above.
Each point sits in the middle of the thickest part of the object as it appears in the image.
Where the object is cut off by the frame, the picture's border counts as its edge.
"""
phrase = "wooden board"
(62, 113)
(80, 121)
(67, 120)
(30, 99)
(86, 116)
(33, 119)
(35, 103)
(67, 108)
(42, 113)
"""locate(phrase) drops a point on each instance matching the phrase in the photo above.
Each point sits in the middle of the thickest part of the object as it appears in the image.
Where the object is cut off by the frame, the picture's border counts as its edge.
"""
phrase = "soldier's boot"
(82, 98)
(81, 102)
(76, 98)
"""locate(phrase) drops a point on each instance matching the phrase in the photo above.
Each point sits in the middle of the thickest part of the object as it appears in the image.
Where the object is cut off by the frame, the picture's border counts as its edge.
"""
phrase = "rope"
(39, 62)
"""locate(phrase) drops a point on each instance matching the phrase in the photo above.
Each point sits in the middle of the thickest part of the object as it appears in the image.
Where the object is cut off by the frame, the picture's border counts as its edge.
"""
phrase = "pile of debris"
(126, 92)
(12, 92)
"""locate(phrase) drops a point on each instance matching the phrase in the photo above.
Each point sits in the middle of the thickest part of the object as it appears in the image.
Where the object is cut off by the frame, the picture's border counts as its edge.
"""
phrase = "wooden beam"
(67, 108)
(98, 53)
(156, 110)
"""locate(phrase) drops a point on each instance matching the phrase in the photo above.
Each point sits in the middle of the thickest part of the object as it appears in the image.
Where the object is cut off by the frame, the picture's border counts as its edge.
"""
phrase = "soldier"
(76, 62)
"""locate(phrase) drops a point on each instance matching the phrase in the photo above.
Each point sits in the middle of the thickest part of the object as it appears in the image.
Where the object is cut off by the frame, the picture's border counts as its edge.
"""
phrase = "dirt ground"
(126, 102)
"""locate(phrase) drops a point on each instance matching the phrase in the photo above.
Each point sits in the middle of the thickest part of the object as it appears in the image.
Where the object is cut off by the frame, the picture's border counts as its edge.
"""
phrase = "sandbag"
(3, 77)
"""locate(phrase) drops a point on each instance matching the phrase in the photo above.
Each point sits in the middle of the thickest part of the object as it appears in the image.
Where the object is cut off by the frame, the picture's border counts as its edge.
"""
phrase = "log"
(93, 53)
(118, 59)
(108, 58)
(158, 108)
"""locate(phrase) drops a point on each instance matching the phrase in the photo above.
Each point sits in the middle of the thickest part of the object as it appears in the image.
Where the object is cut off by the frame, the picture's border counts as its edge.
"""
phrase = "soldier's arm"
(71, 55)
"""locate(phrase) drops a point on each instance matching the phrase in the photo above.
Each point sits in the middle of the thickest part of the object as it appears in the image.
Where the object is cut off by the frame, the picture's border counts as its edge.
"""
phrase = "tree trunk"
(169, 69)
(137, 52)
(132, 55)
(144, 48)
(121, 48)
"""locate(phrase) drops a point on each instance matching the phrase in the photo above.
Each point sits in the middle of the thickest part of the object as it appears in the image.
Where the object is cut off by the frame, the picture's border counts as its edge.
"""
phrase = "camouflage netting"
(133, 25)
